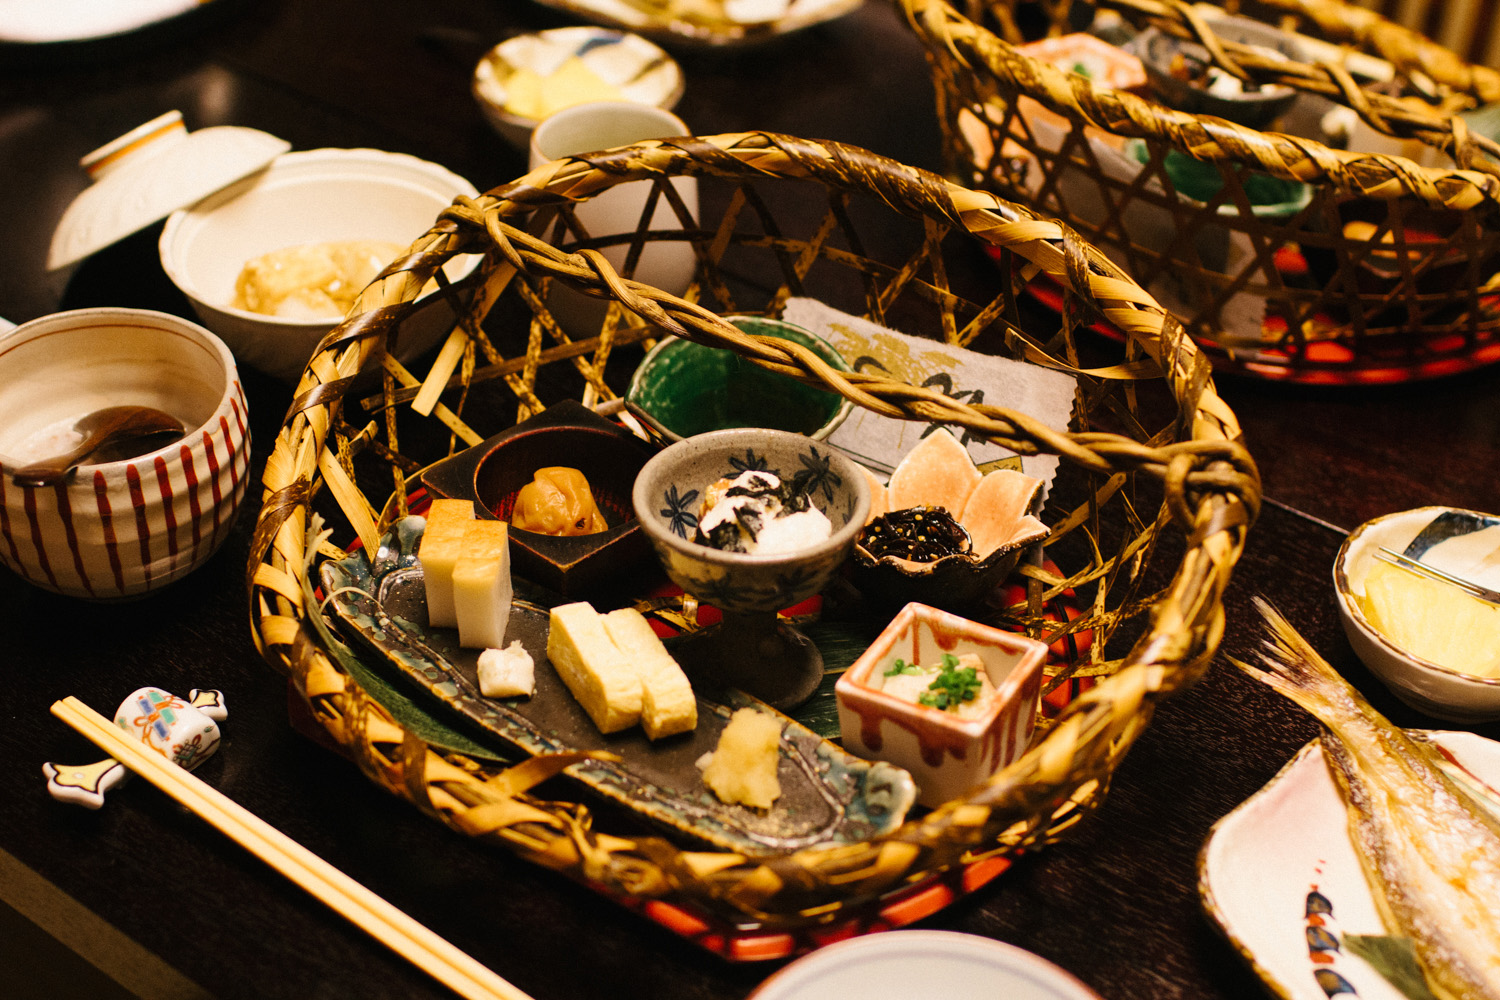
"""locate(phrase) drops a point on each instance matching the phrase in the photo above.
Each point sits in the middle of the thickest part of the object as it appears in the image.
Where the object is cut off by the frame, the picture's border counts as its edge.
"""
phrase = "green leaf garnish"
(1395, 958)
(953, 685)
(902, 667)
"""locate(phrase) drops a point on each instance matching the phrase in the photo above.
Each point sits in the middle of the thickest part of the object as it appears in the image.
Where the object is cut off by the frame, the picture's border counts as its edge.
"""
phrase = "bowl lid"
(150, 172)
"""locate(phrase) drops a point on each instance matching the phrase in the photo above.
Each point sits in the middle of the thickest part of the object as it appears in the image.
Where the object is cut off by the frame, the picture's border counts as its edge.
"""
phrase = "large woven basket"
(1148, 519)
(1386, 271)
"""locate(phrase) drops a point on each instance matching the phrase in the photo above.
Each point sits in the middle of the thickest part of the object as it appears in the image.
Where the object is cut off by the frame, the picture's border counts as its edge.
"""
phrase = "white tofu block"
(481, 585)
(442, 544)
(507, 673)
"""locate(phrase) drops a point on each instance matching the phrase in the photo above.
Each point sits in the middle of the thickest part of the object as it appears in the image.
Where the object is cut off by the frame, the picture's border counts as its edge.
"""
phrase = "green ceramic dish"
(682, 388)
(1270, 197)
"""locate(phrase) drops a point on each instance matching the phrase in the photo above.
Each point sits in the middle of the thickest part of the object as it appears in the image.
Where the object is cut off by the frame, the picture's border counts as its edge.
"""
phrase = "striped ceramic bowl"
(119, 529)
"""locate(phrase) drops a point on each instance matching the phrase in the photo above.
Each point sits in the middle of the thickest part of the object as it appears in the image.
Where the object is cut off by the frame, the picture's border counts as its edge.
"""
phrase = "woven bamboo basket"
(1380, 267)
(1157, 518)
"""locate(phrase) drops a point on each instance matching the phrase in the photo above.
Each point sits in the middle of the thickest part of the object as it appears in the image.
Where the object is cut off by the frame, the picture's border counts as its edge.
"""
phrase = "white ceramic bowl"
(119, 529)
(640, 71)
(1426, 686)
(903, 965)
(308, 197)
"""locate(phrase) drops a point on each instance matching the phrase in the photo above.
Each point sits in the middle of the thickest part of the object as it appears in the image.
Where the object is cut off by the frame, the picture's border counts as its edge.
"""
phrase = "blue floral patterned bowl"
(750, 650)
(669, 491)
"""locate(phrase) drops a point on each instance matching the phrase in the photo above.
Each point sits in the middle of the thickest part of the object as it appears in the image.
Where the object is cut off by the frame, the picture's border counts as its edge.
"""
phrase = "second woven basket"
(1366, 267)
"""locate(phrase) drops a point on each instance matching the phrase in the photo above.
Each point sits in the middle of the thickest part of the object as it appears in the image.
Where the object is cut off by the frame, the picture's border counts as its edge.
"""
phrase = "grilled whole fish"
(1430, 852)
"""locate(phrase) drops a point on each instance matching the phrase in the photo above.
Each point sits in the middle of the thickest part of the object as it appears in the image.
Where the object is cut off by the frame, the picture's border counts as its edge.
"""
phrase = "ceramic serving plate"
(710, 23)
(1280, 877)
(923, 963)
(828, 796)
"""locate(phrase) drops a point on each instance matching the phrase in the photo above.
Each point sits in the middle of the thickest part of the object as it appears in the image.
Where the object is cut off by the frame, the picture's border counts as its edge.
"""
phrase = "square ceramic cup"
(946, 755)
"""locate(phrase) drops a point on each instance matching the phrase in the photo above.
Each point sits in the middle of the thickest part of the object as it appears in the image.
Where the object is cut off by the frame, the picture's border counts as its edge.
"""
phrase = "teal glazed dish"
(682, 388)
(1270, 197)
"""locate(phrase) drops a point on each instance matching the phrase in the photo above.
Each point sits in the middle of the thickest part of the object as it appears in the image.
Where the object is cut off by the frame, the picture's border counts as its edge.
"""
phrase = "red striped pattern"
(128, 528)
(107, 529)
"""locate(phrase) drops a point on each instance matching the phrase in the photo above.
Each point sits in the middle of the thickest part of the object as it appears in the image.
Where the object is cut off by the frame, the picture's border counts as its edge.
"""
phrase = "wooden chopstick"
(387, 924)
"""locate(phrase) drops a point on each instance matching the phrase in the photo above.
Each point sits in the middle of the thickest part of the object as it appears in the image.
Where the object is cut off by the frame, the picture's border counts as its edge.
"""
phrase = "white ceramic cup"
(585, 128)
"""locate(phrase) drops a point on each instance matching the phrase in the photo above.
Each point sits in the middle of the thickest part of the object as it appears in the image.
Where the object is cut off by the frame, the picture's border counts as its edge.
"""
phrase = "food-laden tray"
(1281, 879)
(828, 796)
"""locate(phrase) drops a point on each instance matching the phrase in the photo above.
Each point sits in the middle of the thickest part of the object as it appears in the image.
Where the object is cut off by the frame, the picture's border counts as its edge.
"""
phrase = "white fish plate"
(1289, 839)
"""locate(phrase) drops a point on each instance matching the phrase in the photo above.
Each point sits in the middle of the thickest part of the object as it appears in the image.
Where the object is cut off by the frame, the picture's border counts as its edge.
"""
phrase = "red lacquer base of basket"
(1324, 362)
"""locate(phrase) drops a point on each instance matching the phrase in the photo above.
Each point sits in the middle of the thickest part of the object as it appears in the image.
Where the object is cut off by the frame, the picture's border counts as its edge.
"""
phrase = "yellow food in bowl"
(532, 95)
(1433, 621)
(314, 281)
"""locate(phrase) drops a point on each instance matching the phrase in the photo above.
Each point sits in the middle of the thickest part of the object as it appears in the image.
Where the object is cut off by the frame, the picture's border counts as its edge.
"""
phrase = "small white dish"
(1426, 686)
(85, 20)
(150, 172)
(902, 965)
(1261, 861)
(624, 64)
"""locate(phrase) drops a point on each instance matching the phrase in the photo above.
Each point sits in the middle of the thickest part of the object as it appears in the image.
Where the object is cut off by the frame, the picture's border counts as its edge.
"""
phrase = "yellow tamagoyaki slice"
(593, 668)
(442, 544)
(481, 585)
(667, 703)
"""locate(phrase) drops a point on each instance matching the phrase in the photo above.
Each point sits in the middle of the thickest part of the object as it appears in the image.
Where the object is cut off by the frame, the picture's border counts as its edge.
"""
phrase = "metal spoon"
(113, 433)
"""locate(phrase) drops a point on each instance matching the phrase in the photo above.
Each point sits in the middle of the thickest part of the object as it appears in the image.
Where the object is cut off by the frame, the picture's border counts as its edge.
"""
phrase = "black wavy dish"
(828, 795)
(568, 434)
(954, 582)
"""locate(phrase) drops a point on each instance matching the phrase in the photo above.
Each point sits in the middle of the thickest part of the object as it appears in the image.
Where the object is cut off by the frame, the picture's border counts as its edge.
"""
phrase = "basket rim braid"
(1208, 477)
(1381, 176)
(969, 59)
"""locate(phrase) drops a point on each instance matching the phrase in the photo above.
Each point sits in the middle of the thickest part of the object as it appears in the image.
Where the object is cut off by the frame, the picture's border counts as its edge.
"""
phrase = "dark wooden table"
(142, 897)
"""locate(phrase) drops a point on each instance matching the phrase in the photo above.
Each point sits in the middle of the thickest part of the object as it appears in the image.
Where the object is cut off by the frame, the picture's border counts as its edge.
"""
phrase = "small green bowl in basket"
(684, 388)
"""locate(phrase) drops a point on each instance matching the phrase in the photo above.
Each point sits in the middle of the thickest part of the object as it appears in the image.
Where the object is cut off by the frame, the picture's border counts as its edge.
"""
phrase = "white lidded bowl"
(119, 529)
(1426, 686)
(314, 196)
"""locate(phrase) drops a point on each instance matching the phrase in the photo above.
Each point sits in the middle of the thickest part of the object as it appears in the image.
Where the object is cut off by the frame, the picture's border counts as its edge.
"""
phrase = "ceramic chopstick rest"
(185, 732)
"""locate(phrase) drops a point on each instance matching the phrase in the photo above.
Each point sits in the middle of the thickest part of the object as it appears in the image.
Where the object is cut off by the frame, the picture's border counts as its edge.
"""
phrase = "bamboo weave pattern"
(1389, 265)
(1194, 461)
